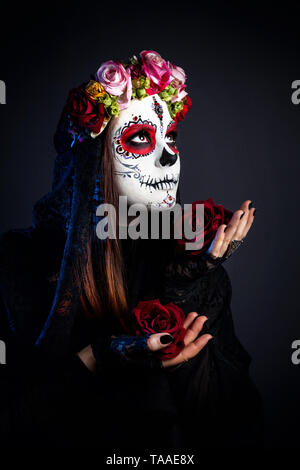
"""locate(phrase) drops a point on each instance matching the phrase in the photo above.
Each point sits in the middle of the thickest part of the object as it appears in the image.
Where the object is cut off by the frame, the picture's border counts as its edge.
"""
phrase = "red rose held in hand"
(85, 113)
(214, 216)
(151, 317)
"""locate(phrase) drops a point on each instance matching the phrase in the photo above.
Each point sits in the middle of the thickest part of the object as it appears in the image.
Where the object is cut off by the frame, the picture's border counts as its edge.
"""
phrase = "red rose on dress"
(186, 107)
(84, 111)
(151, 317)
(214, 216)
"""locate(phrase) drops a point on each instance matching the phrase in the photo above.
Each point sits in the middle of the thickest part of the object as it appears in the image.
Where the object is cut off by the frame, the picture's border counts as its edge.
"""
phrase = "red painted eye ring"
(171, 129)
(138, 148)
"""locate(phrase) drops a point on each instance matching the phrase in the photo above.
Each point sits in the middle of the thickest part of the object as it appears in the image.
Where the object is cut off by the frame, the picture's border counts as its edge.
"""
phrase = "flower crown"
(91, 106)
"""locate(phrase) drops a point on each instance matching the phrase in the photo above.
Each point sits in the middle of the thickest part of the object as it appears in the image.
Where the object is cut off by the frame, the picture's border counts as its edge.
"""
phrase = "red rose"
(84, 111)
(151, 317)
(186, 107)
(136, 70)
(214, 216)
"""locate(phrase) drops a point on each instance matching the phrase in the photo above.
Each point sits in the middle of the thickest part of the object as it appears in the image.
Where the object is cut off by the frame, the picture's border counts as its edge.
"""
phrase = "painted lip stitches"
(158, 183)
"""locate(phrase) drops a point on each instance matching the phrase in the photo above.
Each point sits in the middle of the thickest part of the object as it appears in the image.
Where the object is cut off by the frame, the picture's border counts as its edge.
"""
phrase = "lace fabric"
(76, 211)
(193, 266)
(125, 351)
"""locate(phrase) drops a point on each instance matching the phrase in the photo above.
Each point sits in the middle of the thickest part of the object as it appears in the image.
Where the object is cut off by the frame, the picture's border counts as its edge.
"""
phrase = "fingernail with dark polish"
(242, 215)
(250, 205)
(165, 339)
(254, 211)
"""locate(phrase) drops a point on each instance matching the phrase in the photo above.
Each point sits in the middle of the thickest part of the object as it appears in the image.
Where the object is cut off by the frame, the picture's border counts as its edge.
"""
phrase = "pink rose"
(181, 93)
(178, 82)
(116, 80)
(178, 75)
(156, 70)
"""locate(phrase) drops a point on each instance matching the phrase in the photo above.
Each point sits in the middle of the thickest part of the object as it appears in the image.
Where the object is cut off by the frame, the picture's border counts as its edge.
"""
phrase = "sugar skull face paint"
(147, 163)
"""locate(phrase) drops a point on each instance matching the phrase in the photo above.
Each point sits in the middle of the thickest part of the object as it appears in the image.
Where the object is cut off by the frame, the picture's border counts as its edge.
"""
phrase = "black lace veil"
(68, 210)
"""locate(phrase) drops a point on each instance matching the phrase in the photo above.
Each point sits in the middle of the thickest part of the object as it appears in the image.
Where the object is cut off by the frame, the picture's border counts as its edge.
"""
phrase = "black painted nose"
(168, 158)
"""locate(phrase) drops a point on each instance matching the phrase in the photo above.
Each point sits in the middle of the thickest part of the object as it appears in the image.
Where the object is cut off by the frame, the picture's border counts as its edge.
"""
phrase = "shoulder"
(25, 290)
(30, 250)
(15, 258)
(15, 248)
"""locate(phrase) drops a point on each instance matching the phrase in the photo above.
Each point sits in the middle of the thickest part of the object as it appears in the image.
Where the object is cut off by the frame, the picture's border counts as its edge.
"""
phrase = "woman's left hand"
(237, 229)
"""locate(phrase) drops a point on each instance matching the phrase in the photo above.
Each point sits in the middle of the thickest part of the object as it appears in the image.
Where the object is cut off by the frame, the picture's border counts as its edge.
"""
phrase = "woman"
(84, 368)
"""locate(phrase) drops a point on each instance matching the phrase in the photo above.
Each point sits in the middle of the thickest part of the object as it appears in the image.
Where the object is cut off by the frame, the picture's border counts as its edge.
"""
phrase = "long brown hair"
(102, 277)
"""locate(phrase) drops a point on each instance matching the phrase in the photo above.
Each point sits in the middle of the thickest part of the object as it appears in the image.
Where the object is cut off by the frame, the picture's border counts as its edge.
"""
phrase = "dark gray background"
(240, 141)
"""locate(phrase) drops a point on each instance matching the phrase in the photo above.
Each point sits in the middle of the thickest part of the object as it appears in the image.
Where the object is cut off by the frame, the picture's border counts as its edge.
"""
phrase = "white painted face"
(147, 163)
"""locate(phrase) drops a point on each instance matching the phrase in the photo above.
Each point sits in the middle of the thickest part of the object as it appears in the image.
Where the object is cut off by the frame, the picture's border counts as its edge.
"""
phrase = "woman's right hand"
(193, 325)
(140, 350)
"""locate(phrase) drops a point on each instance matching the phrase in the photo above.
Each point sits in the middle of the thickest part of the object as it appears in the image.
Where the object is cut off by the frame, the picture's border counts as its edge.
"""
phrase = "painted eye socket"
(171, 138)
(138, 139)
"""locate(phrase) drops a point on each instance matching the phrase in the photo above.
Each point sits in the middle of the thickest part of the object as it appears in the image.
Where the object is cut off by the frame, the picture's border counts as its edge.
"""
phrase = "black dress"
(209, 402)
(48, 397)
